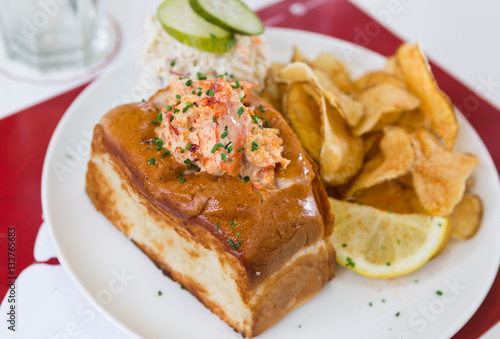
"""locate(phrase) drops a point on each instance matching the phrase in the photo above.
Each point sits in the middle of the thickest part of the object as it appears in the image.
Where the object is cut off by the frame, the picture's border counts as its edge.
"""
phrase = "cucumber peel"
(181, 22)
(232, 15)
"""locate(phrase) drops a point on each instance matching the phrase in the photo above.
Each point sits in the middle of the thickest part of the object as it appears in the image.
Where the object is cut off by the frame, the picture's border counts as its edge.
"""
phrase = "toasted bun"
(284, 258)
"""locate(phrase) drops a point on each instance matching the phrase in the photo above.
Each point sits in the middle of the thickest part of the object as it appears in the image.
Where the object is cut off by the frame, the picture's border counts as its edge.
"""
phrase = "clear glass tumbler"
(54, 34)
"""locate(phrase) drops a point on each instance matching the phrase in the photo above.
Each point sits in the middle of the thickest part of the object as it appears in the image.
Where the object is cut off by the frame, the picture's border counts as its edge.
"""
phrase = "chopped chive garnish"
(224, 134)
(220, 76)
(155, 122)
(146, 142)
(182, 150)
(172, 63)
(239, 243)
(439, 293)
(200, 76)
(232, 224)
(397, 314)
(187, 161)
(217, 229)
(151, 161)
(193, 92)
(213, 36)
(231, 159)
(266, 124)
(243, 99)
(199, 93)
(241, 110)
(223, 156)
(247, 178)
(176, 110)
(238, 234)
(261, 108)
(255, 146)
(171, 118)
(165, 154)
(159, 143)
(349, 263)
(182, 180)
(255, 119)
(210, 93)
(182, 287)
(214, 148)
(241, 149)
(236, 84)
(188, 146)
(239, 176)
(169, 108)
(178, 96)
(388, 264)
(344, 245)
(159, 116)
(214, 119)
(232, 244)
(189, 82)
(159, 293)
(371, 304)
(230, 149)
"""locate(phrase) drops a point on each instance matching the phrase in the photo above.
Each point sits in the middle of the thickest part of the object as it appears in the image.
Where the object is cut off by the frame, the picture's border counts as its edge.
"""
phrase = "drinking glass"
(54, 34)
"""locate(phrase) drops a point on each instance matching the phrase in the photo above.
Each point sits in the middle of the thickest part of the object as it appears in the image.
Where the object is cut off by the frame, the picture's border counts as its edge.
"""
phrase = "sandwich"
(211, 183)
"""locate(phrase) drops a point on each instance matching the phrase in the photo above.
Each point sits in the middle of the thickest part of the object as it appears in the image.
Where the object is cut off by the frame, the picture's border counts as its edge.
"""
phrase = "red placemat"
(26, 134)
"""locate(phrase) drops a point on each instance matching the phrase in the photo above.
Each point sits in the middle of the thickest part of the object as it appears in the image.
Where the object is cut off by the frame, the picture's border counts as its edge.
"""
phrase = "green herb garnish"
(255, 146)
(232, 244)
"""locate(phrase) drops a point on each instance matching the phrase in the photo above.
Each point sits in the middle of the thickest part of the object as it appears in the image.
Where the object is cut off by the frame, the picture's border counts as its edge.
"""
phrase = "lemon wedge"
(382, 244)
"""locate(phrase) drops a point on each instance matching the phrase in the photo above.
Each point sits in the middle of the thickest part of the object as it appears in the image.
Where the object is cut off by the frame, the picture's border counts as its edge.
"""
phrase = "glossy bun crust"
(284, 257)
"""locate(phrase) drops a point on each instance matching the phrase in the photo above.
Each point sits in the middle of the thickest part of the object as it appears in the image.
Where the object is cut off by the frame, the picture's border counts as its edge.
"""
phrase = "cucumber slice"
(232, 15)
(180, 21)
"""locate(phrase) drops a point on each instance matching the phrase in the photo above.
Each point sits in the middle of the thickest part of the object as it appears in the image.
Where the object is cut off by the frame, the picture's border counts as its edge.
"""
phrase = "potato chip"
(323, 132)
(439, 175)
(352, 110)
(349, 109)
(384, 104)
(413, 120)
(378, 77)
(305, 117)
(298, 56)
(466, 217)
(274, 90)
(390, 196)
(372, 144)
(339, 142)
(392, 67)
(336, 70)
(396, 159)
(434, 103)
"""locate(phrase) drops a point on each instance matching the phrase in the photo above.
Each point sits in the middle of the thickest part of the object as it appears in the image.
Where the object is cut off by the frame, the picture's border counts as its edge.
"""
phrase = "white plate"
(94, 252)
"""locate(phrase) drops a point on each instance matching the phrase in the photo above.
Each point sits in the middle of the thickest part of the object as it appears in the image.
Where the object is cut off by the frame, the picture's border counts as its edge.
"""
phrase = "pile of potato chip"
(385, 139)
